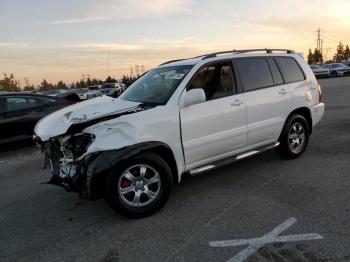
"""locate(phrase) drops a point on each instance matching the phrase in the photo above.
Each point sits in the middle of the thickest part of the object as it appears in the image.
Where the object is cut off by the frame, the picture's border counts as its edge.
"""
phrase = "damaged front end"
(63, 155)
(75, 139)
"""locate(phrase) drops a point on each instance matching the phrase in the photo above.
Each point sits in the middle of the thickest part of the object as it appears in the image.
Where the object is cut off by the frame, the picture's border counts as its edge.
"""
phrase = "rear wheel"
(294, 137)
(140, 186)
(334, 74)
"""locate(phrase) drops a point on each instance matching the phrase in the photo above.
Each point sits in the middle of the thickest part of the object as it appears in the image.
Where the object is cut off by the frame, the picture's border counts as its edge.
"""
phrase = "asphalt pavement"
(304, 202)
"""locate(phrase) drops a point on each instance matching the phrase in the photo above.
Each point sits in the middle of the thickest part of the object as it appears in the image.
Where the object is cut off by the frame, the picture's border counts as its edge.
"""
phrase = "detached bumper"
(317, 112)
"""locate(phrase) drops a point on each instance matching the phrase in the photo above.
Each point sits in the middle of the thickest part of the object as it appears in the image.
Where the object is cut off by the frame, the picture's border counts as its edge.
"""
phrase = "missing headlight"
(79, 143)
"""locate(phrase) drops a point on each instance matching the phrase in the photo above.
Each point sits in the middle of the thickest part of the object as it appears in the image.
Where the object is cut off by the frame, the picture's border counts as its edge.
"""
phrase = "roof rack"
(234, 51)
(267, 50)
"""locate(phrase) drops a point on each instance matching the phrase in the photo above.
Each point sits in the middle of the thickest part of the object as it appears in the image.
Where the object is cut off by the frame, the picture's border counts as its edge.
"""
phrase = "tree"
(45, 86)
(128, 80)
(339, 55)
(61, 85)
(9, 84)
(310, 57)
(347, 53)
(318, 56)
(109, 79)
(29, 88)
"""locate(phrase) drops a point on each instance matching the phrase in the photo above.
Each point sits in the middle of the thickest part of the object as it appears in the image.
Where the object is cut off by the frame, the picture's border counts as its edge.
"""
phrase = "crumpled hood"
(59, 122)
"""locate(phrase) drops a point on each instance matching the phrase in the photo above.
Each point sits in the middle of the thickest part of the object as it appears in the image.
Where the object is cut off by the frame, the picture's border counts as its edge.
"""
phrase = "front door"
(215, 128)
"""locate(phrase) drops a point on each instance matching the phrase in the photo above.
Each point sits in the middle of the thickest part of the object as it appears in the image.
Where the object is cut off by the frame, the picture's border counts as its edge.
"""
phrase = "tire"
(140, 185)
(334, 74)
(294, 137)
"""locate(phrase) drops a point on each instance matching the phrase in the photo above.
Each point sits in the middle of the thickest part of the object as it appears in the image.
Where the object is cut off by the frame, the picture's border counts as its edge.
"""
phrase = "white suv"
(182, 117)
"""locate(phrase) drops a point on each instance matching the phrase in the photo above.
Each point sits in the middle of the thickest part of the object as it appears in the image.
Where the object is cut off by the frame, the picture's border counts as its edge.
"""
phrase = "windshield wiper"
(152, 104)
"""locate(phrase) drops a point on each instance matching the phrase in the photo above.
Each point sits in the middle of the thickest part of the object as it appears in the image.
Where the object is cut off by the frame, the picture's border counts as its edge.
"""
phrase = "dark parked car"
(19, 113)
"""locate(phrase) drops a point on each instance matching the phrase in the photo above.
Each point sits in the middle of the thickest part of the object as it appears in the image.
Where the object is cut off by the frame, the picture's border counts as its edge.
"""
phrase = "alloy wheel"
(139, 185)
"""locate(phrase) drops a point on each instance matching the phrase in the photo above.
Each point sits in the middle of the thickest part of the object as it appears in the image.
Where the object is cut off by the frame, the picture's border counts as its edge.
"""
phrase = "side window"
(254, 73)
(16, 103)
(42, 102)
(277, 77)
(290, 69)
(32, 102)
(19, 103)
(216, 80)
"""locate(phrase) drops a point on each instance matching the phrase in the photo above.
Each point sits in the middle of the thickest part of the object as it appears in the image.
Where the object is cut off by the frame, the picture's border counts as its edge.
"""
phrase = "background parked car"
(337, 69)
(347, 63)
(109, 89)
(93, 91)
(320, 71)
(81, 92)
(55, 92)
(19, 113)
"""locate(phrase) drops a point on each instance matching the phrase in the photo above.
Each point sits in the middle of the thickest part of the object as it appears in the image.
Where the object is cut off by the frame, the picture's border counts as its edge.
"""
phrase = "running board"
(230, 160)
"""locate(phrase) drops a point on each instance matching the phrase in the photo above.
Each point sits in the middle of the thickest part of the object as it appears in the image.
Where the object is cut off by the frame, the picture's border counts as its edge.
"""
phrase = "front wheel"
(140, 186)
(294, 137)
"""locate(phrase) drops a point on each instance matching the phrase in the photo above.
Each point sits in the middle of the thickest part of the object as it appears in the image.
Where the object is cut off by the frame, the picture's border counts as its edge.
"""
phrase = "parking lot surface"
(248, 199)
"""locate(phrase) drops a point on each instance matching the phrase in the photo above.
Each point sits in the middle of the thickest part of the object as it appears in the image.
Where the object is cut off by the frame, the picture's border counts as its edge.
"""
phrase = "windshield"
(157, 85)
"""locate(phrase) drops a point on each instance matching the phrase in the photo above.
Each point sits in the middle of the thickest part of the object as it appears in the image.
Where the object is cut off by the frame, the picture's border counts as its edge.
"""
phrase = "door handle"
(237, 102)
(283, 91)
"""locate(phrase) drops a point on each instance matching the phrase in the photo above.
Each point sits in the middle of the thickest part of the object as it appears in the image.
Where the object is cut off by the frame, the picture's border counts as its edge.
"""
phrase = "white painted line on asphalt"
(272, 237)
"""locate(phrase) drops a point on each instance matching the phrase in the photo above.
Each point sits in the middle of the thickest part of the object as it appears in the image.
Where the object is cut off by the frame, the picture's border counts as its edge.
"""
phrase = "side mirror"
(194, 96)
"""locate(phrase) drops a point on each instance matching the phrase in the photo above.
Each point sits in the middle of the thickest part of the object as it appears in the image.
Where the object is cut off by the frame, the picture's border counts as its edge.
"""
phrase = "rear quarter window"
(254, 73)
(290, 69)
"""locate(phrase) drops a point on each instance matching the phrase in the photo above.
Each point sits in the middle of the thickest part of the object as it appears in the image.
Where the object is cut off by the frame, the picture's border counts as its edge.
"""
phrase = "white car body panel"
(213, 129)
(157, 125)
(267, 110)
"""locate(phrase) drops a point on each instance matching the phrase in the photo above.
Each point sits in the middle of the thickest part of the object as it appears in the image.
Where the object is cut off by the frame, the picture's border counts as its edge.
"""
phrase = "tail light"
(320, 95)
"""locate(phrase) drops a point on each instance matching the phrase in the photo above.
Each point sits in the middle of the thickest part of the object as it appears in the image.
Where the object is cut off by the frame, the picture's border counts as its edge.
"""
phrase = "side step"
(229, 160)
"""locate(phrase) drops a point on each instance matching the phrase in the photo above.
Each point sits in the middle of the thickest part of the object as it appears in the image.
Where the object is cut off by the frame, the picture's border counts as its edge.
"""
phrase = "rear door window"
(290, 69)
(255, 73)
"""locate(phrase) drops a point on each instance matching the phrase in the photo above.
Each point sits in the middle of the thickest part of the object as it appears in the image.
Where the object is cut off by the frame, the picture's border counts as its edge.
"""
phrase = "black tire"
(119, 201)
(292, 125)
(334, 74)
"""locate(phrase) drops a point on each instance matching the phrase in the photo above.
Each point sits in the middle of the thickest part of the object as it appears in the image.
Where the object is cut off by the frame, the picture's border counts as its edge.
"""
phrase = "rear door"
(267, 98)
(213, 129)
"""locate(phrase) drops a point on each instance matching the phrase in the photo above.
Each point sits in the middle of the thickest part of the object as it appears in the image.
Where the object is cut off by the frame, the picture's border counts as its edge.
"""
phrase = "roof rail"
(172, 61)
(267, 50)
(177, 60)
(234, 51)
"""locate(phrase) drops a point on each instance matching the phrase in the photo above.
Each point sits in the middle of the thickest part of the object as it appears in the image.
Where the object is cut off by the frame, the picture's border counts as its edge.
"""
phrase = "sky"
(66, 39)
